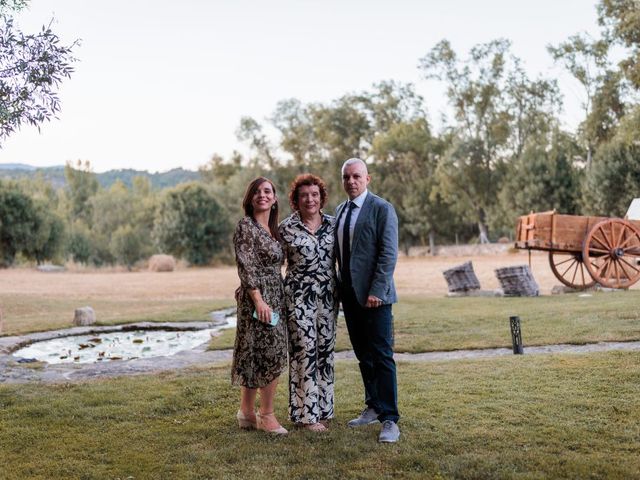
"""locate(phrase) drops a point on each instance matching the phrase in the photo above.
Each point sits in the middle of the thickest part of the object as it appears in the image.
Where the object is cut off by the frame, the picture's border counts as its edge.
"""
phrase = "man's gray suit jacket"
(374, 250)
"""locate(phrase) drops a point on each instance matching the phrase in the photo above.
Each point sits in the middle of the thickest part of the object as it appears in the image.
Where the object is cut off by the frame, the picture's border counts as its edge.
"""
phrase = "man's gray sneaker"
(367, 417)
(389, 433)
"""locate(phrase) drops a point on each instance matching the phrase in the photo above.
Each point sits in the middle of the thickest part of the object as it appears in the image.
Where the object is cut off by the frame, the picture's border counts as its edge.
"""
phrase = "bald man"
(367, 251)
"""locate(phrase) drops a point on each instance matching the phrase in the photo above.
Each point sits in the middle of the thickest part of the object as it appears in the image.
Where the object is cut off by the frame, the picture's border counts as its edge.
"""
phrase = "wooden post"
(516, 335)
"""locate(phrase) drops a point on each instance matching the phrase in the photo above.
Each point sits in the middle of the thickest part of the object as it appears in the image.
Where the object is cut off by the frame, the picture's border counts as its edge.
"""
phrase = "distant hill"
(55, 175)
(158, 180)
(16, 166)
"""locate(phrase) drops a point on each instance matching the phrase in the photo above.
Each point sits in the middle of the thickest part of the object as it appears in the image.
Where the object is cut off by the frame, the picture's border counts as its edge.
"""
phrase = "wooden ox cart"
(584, 250)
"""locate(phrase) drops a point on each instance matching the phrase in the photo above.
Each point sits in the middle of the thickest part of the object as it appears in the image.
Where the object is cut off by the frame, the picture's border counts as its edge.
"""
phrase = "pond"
(118, 345)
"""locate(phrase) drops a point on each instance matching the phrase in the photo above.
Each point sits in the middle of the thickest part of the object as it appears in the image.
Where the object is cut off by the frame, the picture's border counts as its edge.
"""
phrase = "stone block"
(84, 316)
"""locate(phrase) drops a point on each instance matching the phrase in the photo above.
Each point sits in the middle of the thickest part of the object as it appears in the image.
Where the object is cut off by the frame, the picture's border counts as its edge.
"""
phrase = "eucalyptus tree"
(469, 171)
(219, 171)
(587, 59)
(82, 185)
(32, 67)
(251, 132)
(319, 137)
(497, 111)
(406, 157)
(533, 106)
(621, 21)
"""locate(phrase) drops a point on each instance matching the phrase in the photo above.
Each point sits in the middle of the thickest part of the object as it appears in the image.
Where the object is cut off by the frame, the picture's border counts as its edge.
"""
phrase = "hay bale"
(461, 278)
(517, 281)
(162, 263)
(84, 316)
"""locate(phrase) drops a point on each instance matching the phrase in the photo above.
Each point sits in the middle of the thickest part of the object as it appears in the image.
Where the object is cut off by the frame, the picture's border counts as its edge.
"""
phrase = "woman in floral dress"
(260, 351)
(311, 303)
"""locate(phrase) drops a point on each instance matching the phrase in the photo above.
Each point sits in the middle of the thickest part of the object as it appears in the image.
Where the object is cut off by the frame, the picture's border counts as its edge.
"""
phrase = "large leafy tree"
(404, 173)
(127, 245)
(621, 20)
(320, 137)
(191, 224)
(497, 111)
(532, 108)
(82, 185)
(543, 177)
(469, 171)
(17, 222)
(48, 236)
(614, 178)
(27, 227)
(121, 219)
(587, 60)
(32, 66)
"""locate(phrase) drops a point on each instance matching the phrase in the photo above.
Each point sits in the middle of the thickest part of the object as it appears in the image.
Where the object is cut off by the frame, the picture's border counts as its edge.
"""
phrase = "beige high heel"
(246, 422)
(279, 430)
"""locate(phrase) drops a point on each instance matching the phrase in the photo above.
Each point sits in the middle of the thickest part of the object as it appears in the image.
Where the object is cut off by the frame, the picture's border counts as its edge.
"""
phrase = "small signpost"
(516, 335)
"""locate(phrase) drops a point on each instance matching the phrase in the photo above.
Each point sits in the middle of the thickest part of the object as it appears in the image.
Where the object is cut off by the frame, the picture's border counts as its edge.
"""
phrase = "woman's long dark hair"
(248, 205)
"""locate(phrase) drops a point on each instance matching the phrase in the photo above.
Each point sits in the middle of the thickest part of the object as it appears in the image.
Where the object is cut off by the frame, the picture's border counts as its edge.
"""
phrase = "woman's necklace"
(313, 223)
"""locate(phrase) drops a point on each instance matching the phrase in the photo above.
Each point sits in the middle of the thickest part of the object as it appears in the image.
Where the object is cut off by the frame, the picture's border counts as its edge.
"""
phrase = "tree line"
(501, 153)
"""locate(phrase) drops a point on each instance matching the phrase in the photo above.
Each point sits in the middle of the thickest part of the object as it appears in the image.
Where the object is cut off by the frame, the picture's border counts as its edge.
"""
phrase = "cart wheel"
(569, 268)
(611, 251)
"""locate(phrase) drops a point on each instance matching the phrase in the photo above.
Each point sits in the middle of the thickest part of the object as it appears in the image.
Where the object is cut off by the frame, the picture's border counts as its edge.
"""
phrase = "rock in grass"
(84, 316)
(48, 268)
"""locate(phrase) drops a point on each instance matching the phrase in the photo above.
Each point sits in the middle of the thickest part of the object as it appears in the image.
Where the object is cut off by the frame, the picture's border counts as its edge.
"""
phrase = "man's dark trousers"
(371, 335)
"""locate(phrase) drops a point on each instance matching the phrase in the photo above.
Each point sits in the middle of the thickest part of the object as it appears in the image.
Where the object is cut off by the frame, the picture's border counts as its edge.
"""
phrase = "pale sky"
(163, 84)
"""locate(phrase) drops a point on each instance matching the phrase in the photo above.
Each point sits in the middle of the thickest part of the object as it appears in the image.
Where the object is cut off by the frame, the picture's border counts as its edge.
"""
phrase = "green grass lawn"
(431, 324)
(525, 417)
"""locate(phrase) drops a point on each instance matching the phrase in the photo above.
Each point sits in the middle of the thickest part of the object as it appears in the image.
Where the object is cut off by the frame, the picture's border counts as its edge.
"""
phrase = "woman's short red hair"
(306, 179)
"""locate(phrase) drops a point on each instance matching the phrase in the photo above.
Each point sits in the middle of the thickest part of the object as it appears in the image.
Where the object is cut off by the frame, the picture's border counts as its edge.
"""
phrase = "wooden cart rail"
(584, 250)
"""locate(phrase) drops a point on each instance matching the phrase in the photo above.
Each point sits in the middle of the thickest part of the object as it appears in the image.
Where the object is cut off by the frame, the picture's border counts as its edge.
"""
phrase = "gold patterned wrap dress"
(260, 351)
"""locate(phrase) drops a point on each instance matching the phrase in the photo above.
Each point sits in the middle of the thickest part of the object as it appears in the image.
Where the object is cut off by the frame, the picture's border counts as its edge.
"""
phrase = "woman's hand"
(263, 311)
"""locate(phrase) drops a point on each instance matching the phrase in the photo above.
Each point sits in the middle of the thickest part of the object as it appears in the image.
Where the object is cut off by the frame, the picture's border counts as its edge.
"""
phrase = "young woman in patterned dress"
(260, 351)
(311, 303)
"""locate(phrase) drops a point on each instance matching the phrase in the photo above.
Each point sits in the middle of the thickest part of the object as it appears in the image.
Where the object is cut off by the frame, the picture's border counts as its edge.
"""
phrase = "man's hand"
(373, 302)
